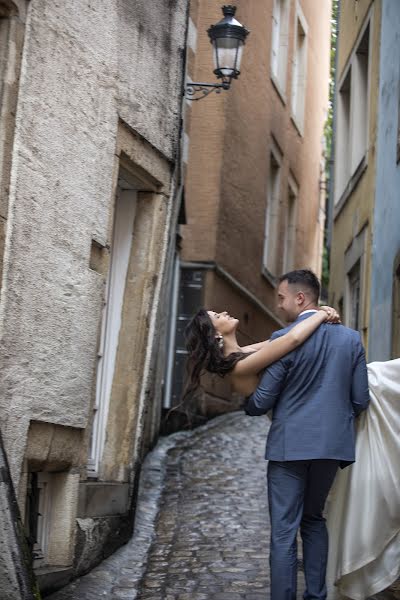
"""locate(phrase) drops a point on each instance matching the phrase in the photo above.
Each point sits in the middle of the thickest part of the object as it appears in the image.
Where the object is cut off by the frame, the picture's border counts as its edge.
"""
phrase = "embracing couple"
(316, 386)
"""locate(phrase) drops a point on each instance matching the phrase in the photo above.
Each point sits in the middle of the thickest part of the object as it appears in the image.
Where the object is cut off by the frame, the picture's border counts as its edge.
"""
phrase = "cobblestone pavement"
(212, 537)
(202, 528)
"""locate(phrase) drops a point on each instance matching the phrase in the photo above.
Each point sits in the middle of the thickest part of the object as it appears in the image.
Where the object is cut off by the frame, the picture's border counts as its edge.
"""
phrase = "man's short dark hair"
(304, 278)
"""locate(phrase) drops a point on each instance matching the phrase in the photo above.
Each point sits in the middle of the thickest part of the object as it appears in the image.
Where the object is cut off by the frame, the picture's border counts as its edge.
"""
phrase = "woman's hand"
(332, 316)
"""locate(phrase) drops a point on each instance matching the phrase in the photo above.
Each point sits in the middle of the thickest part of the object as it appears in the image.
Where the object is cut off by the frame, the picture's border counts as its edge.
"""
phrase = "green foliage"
(325, 269)
(328, 128)
(328, 131)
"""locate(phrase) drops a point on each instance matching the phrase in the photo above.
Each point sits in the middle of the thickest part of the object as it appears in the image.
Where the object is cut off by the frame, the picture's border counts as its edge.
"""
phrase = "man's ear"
(300, 298)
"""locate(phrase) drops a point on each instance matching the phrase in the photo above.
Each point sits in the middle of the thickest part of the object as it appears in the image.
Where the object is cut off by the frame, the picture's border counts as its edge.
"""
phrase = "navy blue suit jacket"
(314, 392)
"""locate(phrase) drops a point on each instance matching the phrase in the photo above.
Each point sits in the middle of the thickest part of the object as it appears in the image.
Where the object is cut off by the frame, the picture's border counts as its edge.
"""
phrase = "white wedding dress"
(363, 509)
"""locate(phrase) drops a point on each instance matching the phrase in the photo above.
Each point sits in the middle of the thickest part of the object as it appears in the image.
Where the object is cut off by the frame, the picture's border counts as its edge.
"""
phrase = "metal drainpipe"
(171, 293)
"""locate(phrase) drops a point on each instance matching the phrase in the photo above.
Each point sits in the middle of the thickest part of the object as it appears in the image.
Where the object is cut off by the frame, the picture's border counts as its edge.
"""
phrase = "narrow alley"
(202, 522)
(163, 163)
(211, 531)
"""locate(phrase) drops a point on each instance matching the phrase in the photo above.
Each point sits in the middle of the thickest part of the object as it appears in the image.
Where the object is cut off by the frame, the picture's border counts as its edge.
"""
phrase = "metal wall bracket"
(197, 90)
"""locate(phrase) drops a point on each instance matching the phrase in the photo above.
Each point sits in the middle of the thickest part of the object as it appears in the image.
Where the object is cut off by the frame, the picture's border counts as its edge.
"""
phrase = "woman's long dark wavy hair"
(204, 353)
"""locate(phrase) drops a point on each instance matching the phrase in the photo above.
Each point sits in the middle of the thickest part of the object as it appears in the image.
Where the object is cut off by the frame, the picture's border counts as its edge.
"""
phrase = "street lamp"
(228, 38)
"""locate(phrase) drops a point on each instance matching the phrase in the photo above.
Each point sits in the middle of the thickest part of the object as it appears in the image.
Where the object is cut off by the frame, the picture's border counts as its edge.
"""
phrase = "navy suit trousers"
(297, 492)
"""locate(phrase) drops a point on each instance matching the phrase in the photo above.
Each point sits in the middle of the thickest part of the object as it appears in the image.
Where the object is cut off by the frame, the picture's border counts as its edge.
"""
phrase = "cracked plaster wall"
(85, 66)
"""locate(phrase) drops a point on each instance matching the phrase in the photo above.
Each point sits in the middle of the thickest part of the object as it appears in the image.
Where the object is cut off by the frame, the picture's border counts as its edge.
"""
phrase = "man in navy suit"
(315, 392)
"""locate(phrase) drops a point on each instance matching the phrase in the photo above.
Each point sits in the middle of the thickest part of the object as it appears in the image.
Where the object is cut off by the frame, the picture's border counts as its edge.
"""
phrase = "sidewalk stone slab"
(201, 529)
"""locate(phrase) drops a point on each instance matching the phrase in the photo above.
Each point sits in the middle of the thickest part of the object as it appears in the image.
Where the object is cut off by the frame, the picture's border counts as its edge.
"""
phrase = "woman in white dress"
(363, 514)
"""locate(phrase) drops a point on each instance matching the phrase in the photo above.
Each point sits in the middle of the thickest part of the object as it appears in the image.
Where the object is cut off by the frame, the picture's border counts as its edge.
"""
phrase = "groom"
(315, 392)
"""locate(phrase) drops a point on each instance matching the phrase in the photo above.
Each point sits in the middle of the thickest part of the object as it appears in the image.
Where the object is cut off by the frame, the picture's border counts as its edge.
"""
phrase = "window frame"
(280, 47)
(354, 296)
(40, 485)
(356, 254)
(273, 201)
(345, 184)
(290, 228)
(124, 216)
(298, 109)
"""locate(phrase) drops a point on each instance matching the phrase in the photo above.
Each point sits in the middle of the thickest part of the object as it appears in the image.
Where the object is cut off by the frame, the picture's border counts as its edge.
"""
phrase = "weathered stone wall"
(82, 70)
(89, 71)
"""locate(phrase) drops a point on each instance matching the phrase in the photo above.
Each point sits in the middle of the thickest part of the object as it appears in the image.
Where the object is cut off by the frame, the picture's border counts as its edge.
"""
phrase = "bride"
(364, 504)
(212, 346)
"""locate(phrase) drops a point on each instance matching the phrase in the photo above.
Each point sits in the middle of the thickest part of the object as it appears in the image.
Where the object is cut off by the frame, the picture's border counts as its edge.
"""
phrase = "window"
(355, 260)
(354, 297)
(360, 99)
(343, 143)
(340, 307)
(176, 294)
(190, 299)
(279, 42)
(299, 69)
(352, 115)
(125, 208)
(192, 35)
(271, 237)
(51, 504)
(290, 227)
(38, 515)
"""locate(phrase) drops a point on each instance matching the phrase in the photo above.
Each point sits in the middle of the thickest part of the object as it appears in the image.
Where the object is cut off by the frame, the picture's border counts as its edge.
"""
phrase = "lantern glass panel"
(227, 56)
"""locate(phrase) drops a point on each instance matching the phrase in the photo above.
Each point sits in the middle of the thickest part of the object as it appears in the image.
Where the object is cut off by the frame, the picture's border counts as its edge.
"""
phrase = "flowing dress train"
(364, 505)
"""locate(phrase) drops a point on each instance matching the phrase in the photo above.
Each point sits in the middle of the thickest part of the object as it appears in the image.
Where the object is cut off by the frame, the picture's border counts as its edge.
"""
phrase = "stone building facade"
(357, 81)
(91, 97)
(254, 187)
(365, 253)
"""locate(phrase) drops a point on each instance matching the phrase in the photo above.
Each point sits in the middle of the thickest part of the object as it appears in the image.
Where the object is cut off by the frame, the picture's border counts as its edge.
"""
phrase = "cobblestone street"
(202, 526)
(212, 533)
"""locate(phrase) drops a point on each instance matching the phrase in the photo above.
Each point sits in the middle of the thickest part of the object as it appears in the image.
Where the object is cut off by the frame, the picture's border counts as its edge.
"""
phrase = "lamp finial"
(229, 10)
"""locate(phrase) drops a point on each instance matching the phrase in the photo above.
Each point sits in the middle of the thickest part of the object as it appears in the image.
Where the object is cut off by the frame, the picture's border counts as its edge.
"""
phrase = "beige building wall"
(230, 138)
(353, 207)
(97, 91)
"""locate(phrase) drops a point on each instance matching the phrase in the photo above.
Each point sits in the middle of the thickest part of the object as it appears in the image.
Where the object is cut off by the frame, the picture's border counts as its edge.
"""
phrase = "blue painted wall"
(386, 225)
